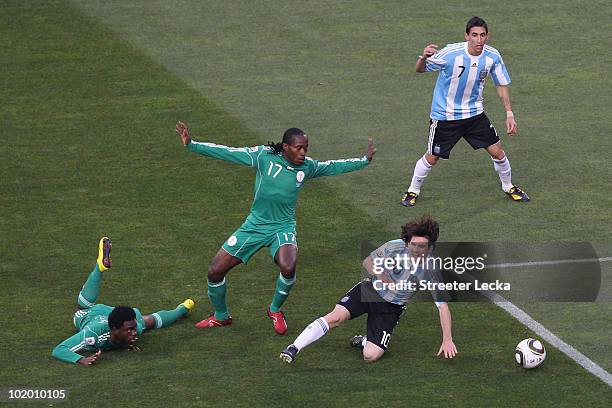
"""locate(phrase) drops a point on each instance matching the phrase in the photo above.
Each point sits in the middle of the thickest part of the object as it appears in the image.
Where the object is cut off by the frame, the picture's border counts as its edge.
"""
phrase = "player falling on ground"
(101, 327)
(457, 106)
(383, 296)
(282, 169)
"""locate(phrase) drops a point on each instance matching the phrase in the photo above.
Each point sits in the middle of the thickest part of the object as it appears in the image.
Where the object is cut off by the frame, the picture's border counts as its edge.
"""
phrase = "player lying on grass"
(101, 327)
(383, 295)
(282, 169)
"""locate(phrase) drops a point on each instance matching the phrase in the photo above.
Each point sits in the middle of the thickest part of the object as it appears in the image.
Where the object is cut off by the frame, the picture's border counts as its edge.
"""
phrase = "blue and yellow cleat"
(516, 194)
(104, 260)
(189, 304)
(409, 199)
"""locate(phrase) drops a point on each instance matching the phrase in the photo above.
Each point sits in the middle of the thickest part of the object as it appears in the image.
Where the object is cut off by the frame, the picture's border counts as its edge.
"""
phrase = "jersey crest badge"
(299, 176)
(90, 341)
(483, 74)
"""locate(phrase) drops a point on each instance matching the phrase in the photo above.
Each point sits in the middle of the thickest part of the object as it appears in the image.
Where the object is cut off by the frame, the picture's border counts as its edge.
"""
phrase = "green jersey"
(93, 333)
(278, 182)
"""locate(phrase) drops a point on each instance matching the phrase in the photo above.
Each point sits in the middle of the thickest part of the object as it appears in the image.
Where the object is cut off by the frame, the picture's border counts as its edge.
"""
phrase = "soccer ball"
(530, 353)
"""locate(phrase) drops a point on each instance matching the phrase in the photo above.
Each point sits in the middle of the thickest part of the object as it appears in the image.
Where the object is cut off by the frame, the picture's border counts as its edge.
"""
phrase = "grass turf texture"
(88, 149)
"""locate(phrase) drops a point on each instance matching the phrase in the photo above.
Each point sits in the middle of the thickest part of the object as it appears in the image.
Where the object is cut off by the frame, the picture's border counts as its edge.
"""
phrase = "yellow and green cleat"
(516, 194)
(104, 260)
(188, 303)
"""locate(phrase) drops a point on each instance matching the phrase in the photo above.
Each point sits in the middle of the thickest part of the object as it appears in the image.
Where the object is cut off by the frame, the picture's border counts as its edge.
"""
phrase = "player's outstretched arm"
(240, 155)
(447, 348)
(371, 150)
(183, 131)
(64, 350)
(91, 359)
(335, 167)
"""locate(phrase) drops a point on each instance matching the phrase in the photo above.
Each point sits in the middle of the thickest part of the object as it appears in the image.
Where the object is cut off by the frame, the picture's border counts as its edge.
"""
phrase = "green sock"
(165, 318)
(283, 287)
(91, 289)
(216, 294)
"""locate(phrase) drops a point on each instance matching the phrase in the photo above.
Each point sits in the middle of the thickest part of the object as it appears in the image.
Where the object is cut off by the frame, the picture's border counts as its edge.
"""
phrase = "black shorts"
(382, 315)
(444, 134)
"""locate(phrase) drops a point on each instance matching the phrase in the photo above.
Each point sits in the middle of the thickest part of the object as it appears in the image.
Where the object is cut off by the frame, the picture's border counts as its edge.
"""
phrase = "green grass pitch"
(90, 93)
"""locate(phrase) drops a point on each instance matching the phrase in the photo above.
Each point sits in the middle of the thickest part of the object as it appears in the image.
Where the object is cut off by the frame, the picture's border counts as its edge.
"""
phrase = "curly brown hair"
(425, 226)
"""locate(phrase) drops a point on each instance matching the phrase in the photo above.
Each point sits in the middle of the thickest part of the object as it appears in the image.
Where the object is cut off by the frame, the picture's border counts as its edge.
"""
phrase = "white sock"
(421, 170)
(364, 341)
(502, 167)
(312, 333)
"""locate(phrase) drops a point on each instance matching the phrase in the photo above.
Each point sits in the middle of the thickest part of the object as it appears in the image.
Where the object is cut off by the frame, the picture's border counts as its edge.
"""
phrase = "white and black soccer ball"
(530, 353)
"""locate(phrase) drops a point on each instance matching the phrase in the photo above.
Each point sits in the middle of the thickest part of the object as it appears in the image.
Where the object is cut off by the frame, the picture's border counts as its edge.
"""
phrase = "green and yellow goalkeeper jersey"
(93, 333)
(278, 182)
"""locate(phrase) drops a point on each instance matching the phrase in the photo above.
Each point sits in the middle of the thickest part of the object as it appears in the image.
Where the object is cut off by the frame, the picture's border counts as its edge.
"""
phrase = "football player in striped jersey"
(457, 109)
(383, 296)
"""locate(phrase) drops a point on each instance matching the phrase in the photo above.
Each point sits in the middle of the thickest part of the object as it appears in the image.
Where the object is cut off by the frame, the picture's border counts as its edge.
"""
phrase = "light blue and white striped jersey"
(458, 91)
(398, 284)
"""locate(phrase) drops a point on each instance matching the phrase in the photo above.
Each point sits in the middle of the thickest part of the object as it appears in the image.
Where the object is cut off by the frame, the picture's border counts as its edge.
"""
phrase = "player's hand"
(511, 127)
(371, 150)
(448, 348)
(183, 131)
(91, 359)
(430, 50)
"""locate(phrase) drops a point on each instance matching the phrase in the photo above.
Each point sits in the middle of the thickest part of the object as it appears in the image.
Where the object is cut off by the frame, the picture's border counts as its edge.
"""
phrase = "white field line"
(548, 336)
(538, 328)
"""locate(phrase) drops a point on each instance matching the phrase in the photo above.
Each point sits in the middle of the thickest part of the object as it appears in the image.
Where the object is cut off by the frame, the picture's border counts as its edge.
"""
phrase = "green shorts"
(248, 239)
